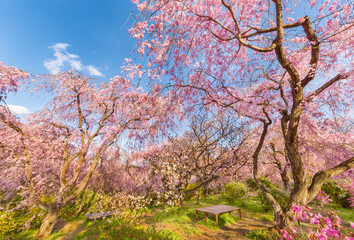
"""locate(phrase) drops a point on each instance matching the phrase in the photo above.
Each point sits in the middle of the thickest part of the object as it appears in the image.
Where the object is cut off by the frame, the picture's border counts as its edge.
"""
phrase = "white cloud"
(19, 110)
(65, 59)
(94, 71)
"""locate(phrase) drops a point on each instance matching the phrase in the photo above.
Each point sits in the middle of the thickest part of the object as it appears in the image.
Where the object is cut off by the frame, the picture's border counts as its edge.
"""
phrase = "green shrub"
(337, 194)
(280, 195)
(8, 227)
(69, 211)
(85, 200)
(12, 222)
(14, 219)
(211, 190)
(234, 191)
(33, 217)
(252, 185)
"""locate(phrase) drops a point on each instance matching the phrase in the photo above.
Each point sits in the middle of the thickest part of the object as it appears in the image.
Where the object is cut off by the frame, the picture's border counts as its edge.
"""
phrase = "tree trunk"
(281, 219)
(286, 179)
(47, 225)
(197, 196)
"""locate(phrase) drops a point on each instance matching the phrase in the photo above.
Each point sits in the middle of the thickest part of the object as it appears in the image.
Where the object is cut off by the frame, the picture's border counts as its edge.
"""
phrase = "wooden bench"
(94, 216)
(216, 210)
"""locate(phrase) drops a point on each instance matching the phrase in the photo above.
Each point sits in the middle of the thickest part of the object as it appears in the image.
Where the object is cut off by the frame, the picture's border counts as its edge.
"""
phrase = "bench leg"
(206, 217)
(239, 211)
(196, 215)
(216, 217)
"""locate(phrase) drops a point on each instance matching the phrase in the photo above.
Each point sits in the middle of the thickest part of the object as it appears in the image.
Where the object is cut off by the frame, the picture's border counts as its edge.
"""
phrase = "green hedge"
(338, 195)
(234, 191)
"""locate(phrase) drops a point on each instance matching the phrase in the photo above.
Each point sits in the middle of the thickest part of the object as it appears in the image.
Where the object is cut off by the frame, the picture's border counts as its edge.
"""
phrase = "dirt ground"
(234, 231)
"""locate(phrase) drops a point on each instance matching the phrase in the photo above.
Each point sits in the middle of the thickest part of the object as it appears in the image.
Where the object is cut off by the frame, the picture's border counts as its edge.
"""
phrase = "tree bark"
(197, 197)
(286, 179)
(282, 219)
(321, 176)
(48, 224)
(284, 170)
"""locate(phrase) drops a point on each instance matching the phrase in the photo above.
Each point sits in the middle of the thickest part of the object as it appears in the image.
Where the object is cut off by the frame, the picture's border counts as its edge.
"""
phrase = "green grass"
(117, 229)
(263, 234)
(223, 220)
(186, 214)
(182, 220)
(252, 204)
(173, 222)
(164, 222)
(27, 235)
(346, 214)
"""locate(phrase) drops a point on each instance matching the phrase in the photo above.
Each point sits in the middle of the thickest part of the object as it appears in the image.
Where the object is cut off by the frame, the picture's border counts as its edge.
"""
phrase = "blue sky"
(47, 36)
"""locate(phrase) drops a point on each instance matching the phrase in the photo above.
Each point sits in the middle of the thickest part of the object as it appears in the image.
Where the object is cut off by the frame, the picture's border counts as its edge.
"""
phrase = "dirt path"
(234, 231)
(70, 230)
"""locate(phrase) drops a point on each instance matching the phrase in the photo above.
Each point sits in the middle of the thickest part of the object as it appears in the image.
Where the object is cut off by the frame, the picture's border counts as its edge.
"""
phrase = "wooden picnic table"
(94, 216)
(98, 215)
(216, 210)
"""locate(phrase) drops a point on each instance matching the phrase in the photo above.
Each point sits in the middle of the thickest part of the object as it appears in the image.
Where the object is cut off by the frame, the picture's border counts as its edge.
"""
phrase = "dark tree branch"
(321, 176)
(315, 50)
(326, 85)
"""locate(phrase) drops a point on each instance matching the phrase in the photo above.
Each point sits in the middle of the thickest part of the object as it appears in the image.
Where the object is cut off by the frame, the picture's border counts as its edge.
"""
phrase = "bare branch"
(326, 85)
(273, 29)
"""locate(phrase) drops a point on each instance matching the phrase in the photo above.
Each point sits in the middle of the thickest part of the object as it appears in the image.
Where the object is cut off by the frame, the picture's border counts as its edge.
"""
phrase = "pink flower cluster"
(349, 186)
(10, 79)
(301, 212)
(288, 234)
(323, 198)
(320, 227)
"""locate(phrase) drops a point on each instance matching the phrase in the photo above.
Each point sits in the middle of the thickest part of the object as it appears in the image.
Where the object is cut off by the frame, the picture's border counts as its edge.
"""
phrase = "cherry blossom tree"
(210, 149)
(10, 79)
(276, 62)
(59, 148)
(322, 145)
(119, 172)
(215, 148)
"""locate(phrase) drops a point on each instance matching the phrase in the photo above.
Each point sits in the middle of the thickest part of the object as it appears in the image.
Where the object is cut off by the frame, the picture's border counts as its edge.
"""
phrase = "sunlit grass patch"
(27, 235)
(118, 229)
(346, 214)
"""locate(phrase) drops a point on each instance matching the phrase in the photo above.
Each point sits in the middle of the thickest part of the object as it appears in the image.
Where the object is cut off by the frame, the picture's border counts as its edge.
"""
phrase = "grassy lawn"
(345, 214)
(174, 223)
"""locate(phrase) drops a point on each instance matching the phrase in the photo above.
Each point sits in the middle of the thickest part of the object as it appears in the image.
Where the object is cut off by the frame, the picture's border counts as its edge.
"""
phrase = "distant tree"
(209, 150)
